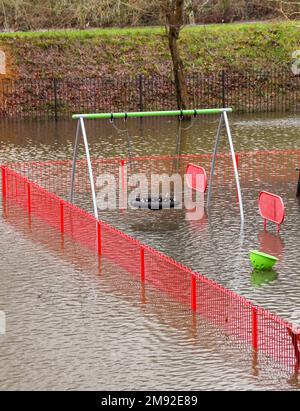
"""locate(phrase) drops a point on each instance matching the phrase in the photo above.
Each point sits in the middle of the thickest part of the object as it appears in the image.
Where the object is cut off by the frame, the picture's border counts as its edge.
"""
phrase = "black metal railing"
(243, 91)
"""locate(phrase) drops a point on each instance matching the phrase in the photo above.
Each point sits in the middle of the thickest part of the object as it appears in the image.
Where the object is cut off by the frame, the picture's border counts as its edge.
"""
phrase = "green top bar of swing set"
(151, 113)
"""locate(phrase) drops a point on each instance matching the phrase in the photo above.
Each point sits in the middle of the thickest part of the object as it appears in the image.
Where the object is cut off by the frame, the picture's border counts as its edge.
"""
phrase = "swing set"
(223, 114)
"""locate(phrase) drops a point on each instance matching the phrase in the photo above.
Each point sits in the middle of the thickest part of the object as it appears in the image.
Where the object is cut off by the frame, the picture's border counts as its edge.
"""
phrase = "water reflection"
(270, 243)
(260, 277)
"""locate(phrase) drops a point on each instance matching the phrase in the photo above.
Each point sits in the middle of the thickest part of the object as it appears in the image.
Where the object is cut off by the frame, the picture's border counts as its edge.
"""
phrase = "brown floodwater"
(71, 324)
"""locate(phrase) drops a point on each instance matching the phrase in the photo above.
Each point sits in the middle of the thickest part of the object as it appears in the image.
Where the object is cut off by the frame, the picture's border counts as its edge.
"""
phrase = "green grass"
(71, 34)
(216, 29)
(122, 51)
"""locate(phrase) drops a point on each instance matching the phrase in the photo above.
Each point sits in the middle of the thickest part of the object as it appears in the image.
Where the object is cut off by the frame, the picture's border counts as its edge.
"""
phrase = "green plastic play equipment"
(262, 261)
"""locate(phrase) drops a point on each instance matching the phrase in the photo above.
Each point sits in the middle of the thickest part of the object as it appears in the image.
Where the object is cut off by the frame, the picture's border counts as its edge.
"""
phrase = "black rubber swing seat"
(154, 203)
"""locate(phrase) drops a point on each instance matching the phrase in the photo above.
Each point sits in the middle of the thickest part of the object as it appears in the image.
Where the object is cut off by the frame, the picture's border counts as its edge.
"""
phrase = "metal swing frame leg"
(81, 132)
(224, 121)
(74, 162)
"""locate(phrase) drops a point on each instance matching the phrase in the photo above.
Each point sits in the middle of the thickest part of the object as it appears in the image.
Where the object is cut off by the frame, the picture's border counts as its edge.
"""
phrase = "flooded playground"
(91, 322)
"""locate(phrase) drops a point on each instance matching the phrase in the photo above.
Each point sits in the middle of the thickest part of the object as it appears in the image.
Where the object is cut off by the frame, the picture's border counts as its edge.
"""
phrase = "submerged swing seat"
(154, 203)
(159, 203)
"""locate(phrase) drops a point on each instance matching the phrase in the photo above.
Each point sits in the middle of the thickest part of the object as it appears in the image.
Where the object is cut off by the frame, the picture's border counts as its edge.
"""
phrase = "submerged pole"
(213, 163)
(88, 159)
(234, 167)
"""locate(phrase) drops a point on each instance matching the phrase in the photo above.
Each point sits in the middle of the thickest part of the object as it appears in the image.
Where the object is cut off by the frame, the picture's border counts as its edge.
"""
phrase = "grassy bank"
(122, 52)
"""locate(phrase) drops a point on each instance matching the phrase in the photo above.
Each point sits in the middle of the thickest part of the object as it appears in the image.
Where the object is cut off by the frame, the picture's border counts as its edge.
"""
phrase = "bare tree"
(289, 9)
(174, 23)
(172, 14)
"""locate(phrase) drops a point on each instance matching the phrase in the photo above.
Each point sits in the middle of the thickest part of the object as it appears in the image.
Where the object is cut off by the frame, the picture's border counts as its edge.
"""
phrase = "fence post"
(123, 191)
(98, 238)
(141, 99)
(223, 89)
(237, 166)
(142, 254)
(237, 160)
(254, 329)
(3, 172)
(28, 197)
(2, 95)
(55, 98)
(61, 213)
(193, 292)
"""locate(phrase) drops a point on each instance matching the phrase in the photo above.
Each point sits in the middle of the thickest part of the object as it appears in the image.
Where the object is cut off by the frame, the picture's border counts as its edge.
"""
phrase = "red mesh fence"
(225, 310)
(278, 339)
(167, 275)
(253, 327)
(263, 167)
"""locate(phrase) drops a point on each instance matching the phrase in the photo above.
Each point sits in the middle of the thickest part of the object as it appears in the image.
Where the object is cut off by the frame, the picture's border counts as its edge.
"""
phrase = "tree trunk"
(175, 22)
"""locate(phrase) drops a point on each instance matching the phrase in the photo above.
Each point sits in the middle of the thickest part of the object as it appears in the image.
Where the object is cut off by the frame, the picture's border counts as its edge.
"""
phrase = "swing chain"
(192, 122)
(119, 130)
(126, 133)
